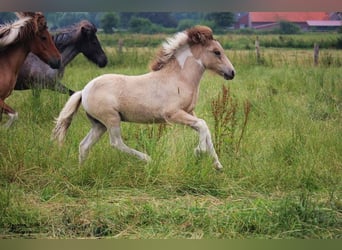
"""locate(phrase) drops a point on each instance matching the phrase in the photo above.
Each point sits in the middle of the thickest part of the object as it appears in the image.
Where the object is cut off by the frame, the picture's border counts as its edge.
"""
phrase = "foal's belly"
(140, 115)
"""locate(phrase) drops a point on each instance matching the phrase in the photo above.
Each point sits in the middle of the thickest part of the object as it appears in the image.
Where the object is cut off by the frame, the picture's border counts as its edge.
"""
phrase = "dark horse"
(79, 38)
(17, 39)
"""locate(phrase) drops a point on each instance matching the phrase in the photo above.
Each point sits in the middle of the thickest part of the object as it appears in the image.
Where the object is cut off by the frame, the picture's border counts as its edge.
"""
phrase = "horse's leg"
(116, 141)
(92, 137)
(62, 88)
(205, 142)
(13, 115)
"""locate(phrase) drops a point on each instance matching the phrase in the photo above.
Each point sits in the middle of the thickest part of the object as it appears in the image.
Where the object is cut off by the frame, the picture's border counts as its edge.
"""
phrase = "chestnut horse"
(78, 38)
(168, 93)
(17, 39)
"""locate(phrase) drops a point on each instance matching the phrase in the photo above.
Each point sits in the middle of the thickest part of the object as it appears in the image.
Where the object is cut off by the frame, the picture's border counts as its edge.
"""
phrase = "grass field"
(282, 159)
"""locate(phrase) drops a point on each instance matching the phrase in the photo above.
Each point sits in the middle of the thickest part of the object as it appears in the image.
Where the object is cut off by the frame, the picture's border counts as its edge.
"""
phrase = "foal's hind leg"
(116, 141)
(92, 137)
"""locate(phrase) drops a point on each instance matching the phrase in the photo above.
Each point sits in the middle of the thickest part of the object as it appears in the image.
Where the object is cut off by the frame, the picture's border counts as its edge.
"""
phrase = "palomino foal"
(168, 93)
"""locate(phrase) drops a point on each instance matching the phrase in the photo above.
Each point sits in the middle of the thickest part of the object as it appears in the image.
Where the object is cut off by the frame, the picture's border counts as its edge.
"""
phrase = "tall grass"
(283, 182)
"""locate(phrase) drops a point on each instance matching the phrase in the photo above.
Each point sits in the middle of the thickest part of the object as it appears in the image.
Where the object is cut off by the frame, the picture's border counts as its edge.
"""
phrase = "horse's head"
(210, 52)
(41, 43)
(89, 45)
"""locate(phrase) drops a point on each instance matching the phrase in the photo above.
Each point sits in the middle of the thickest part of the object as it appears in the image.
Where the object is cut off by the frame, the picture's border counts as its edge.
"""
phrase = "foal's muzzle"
(229, 76)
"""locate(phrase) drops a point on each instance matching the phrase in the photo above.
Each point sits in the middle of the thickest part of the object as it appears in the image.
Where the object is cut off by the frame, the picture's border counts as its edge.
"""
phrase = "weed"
(224, 109)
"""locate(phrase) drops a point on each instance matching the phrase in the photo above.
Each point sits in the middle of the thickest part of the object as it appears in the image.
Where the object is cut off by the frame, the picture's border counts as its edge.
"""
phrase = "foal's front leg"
(205, 142)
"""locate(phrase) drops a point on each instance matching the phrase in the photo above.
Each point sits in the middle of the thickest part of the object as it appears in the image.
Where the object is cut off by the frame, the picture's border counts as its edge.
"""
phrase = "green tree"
(109, 21)
(288, 28)
(185, 24)
(143, 25)
(161, 18)
(221, 19)
(68, 18)
(7, 17)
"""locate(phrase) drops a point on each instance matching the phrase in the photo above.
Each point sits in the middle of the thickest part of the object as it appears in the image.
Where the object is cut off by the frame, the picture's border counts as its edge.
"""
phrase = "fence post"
(120, 45)
(316, 53)
(257, 49)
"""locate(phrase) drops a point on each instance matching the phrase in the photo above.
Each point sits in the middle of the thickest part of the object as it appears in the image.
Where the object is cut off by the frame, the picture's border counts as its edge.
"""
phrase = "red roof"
(287, 16)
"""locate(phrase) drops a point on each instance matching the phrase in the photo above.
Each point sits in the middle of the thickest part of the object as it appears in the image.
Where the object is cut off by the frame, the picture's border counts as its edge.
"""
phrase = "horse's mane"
(195, 35)
(19, 30)
(71, 34)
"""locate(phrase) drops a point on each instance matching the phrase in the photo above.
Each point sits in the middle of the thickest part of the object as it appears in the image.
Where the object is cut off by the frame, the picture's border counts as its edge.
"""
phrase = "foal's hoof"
(147, 158)
(218, 166)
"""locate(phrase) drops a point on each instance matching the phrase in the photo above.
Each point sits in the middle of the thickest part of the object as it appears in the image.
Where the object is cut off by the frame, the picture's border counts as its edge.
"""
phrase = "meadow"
(277, 129)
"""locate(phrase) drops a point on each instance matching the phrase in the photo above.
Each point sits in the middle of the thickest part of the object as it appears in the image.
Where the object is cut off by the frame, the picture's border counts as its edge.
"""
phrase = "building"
(305, 20)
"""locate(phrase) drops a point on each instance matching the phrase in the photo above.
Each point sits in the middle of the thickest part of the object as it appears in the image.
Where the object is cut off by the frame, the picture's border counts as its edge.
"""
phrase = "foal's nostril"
(233, 73)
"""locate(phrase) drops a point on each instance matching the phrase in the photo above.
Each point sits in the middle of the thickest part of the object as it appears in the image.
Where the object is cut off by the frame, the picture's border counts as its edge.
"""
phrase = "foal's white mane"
(172, 44)
(9, 32)
(168, 49)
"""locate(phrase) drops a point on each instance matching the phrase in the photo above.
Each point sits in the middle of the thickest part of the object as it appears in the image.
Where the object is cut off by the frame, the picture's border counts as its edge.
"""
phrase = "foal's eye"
(44, 38)
(216, 52)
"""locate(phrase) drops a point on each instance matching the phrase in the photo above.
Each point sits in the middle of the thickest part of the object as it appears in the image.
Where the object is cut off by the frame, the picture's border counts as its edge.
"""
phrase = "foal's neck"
(191, 70)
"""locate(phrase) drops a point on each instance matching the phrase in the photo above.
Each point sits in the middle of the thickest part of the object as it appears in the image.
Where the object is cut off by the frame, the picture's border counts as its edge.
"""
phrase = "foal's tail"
(65, 117)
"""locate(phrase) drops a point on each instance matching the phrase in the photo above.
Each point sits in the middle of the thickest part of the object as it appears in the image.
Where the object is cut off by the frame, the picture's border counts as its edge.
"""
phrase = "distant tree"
(143, 25)
(68, 18)
(95, 18)
(288, 28)
(222, 19)
(185, 24)
(339, 30)
(109, 21)
(6, 17)
(161, 18)
(125, 18)
(196, 16)
(165, 19)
